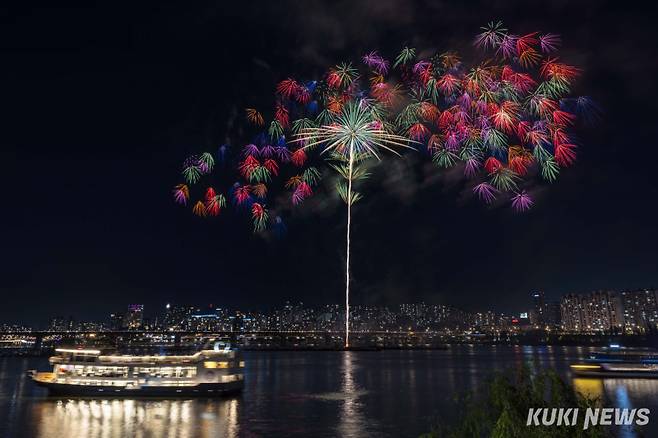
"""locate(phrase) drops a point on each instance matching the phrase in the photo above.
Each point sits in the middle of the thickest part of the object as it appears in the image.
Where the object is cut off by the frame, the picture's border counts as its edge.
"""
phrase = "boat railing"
(137, 360)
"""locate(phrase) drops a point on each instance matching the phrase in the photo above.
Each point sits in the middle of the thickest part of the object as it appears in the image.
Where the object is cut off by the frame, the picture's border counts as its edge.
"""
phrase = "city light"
(295, 325)
(77, 351)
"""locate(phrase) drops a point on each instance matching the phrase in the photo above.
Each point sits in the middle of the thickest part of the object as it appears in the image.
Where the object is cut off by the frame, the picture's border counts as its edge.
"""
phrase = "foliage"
(500, 408)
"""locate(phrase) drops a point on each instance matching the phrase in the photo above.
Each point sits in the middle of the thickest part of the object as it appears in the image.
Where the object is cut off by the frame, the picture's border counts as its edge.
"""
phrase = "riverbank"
(301, 343)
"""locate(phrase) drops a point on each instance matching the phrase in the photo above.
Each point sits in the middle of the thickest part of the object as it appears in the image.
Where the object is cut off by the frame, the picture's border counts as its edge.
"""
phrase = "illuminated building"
(595, 312)
(552, 317)
(640, 310)
(116, 321)
(177, 317)
(599, 311)
(210, 319)
(538, 313)
(134, 317)
(486, 321)
(544, 314)
(58, 324)
(571, 313)
(602, 311)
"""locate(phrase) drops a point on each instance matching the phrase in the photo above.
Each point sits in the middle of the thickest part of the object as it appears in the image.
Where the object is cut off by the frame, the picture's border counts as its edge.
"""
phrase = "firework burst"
(506, 120)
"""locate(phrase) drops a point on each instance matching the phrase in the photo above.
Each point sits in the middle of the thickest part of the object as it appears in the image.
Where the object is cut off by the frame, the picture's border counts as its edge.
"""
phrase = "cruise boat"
(89, 372)
(617, 361)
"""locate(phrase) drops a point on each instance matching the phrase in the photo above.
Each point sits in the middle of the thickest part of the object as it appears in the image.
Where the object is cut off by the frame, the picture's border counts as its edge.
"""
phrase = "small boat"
(89, 372)
(616, 361)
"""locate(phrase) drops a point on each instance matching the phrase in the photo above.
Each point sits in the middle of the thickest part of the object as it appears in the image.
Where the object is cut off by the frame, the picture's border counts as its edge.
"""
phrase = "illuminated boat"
(87, 372)
(618, 361)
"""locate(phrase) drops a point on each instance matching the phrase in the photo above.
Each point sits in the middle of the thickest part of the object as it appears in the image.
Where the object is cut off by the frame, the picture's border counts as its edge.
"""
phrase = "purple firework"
(549, 42)
(267, 151)
(472, 167)
(376, 62)
(250, 149)
(507, 46)
(486, 192)
(522, 201)
(283, 154)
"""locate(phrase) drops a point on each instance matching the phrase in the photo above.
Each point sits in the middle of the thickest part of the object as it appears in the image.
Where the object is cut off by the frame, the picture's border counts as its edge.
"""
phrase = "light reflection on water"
(389, 393)
(119, 418)
(353, 422)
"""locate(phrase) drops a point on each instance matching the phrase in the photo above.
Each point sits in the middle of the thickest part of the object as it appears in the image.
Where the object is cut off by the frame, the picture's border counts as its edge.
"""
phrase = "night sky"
(100, 105)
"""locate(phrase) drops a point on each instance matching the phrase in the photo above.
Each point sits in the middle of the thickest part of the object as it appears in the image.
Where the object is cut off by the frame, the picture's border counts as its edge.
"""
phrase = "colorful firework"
(506, 121)
(521, 201)
(181, 194)
(255, 117)
(260, 215)
(486, 192)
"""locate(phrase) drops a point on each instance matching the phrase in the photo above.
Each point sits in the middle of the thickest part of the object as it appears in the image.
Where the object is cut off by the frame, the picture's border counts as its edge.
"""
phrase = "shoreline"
(47, 351)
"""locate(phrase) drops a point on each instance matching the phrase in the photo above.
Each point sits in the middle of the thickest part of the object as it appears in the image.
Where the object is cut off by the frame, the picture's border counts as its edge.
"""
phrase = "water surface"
(318, 394)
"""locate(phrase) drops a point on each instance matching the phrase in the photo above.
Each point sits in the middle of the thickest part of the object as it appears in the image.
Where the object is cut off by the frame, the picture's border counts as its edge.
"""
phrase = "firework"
(355, 136)
(260, 215)
(192, 173)
(492, 35)
(486, 192)
(302, 191)
(287, 88)
(249, 166)
(521, 201)
(181, 194)
(406, 55)
(376, 62)
(355, 133)
(341, 76)
(255, 117)
(259, 190)
(241, 194)
(298, 158)
(213, 202)
(199, 209)
(506, 121)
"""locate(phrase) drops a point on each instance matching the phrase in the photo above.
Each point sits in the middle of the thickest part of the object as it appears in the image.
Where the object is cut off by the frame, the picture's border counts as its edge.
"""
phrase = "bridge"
(38, 339)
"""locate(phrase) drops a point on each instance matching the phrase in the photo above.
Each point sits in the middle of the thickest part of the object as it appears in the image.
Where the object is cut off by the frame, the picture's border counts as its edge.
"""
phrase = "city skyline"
(628, 311)
(100, 314)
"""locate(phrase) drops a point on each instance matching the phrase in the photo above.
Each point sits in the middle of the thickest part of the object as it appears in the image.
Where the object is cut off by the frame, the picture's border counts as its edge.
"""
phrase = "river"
(305, 394)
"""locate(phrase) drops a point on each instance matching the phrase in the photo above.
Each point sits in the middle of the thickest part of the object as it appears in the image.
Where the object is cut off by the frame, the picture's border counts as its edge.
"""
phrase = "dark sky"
(99, 105)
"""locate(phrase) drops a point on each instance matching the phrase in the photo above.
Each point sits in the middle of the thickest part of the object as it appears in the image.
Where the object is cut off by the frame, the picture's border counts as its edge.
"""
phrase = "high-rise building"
(210, 318)
(178, 317)
(116, 321)
(486, 321)
(593, 312)
(538, 312)
(571, 313)
(552, 316)
(58, 324)
(134, 317)
(640, 310)
(544, 314)
(602, 311)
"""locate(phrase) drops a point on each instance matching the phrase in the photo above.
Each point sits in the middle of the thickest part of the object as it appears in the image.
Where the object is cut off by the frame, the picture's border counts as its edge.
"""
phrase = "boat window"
(214, 364)
(93, 371)
(144, 372)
